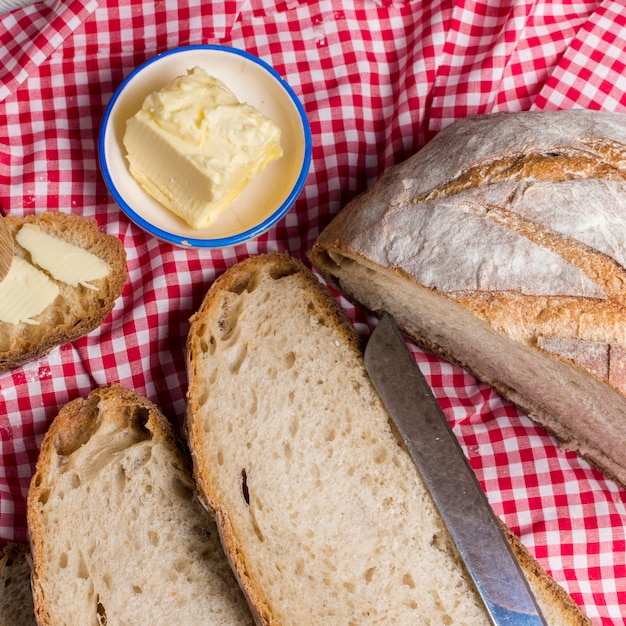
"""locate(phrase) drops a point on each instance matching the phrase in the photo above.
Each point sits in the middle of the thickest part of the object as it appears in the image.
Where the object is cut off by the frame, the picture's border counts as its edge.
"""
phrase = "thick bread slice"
(118, 535)
(76, 310)
(501, 246)
(16, 599)
(320, 508)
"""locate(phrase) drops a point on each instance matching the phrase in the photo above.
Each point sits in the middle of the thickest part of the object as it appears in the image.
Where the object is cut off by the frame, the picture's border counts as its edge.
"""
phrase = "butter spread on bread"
(501, 246)
(62, 259)
(324, 515)
(77, 309)
(24, 293)
(117, 534)
(194, 147)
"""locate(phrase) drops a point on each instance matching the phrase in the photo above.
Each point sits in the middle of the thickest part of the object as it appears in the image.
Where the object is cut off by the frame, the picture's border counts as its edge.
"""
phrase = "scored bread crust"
(248, 407)
(117, 534)
(501, 247)
(77, 310)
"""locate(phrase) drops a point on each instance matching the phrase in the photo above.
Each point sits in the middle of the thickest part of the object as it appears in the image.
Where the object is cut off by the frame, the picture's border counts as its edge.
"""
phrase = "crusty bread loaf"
(16, 599)
(118, 535)
(319, 506)
(76, 310)
(501, 246)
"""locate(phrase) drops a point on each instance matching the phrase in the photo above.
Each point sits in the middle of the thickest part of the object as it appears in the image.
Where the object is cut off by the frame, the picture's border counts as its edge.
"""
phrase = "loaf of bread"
(77, 310)
(16, 599)
(324, 515)
(501, 246)
(118, 535)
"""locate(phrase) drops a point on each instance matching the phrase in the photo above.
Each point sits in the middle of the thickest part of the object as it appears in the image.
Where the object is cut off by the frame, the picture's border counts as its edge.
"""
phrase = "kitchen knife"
(450, 479)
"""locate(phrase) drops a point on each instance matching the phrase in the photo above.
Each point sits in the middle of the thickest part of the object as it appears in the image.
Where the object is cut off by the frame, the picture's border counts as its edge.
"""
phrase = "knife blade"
(450, 479)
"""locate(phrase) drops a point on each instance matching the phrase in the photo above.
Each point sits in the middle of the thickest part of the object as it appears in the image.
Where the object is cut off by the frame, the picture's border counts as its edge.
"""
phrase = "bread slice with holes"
(118, 535)
(319, 506)
(16, 600)
(77, 309)
(501, 246)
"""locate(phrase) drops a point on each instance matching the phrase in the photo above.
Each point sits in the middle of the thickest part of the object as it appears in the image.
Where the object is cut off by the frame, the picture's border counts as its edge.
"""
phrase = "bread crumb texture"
(118, 534)
(325, 511)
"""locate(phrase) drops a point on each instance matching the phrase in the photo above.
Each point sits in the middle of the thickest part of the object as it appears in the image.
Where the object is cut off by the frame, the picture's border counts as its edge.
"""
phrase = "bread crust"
(516, 223)
(6, 248)
(77, 310)
(216, 338)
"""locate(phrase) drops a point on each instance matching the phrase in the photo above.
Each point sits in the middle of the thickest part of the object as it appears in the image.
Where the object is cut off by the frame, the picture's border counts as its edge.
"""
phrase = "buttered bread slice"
(319, 506)
(63, 282)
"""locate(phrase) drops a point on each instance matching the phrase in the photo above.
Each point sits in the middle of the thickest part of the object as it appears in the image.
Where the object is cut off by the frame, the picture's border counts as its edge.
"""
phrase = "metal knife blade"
(450, 479)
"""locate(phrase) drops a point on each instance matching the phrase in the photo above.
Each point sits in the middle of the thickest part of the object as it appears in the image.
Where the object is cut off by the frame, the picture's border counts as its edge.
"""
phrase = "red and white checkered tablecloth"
(377, 79)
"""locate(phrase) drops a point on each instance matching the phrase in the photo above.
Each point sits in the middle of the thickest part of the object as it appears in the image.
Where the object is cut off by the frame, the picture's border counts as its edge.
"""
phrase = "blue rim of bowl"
(218, 242)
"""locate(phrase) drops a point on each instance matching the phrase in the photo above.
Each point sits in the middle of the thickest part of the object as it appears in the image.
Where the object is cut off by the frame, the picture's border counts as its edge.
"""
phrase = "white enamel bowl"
(266, 198)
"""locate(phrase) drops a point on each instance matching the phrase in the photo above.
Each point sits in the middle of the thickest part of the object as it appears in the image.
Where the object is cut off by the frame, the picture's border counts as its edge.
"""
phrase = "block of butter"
(194, 147)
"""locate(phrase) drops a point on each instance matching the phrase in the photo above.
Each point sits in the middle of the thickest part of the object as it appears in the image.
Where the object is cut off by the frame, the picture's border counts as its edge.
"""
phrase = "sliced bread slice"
(118, 535)
(77, 310)
(319, 506)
